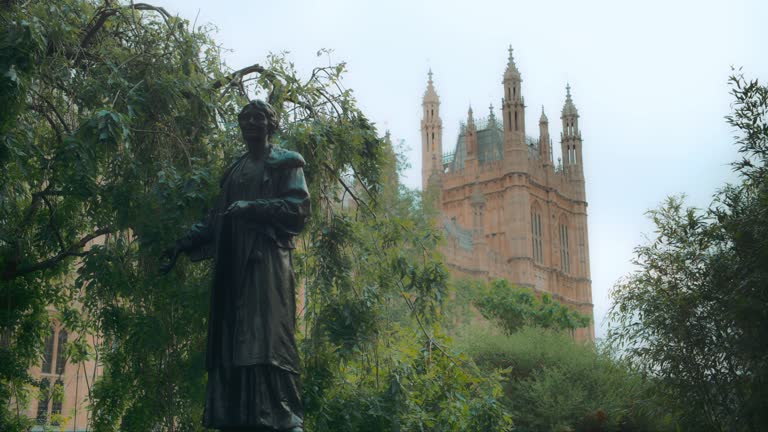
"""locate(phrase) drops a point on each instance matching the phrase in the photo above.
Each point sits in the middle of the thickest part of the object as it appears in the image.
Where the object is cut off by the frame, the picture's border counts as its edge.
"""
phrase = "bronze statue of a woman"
(252, 360)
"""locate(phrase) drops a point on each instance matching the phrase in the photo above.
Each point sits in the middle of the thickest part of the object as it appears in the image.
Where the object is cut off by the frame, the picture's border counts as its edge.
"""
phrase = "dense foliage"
(513, 308)
(117, 121)
(557, 385)
(694, 314)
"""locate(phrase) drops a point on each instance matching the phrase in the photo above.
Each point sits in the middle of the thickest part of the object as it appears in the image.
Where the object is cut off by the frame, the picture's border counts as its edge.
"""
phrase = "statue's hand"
(237, 208)
(168, 259)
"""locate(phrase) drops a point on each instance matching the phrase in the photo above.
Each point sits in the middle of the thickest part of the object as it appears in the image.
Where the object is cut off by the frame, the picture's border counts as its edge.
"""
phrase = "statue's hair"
(259, 105)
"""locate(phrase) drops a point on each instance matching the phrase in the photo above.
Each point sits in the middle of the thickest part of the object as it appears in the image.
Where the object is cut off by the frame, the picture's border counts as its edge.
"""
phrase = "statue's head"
(257, 118)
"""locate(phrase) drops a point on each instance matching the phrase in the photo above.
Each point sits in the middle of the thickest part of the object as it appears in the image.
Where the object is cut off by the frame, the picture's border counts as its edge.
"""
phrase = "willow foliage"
(117, 122)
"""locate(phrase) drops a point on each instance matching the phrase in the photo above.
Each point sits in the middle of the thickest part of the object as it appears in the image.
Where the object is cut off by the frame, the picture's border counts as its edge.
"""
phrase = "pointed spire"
(430, 95)
(470, 118)
(569, 108)
(511, 72)
(543, 118)
(491, 115)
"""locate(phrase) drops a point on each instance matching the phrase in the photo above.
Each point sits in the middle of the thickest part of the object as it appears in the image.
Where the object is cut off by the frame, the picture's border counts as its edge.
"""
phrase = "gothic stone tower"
(508, 210)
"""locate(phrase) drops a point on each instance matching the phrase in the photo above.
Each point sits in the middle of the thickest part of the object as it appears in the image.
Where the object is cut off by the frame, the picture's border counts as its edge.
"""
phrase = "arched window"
(48, 353)
(61, 358)
(565, 255)
(433, 141)
(537, 242)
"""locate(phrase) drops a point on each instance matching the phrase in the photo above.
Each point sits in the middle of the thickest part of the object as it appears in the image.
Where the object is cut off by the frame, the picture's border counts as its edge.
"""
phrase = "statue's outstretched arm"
(199, 236)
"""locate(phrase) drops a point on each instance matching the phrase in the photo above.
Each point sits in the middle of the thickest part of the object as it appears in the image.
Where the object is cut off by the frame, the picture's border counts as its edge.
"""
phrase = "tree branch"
(73, 250)
(55, 111)
(239, 74)
(349, 190)
(103, 15)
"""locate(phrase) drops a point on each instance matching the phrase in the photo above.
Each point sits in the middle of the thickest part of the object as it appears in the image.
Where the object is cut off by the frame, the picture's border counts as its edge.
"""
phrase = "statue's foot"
(296, 429)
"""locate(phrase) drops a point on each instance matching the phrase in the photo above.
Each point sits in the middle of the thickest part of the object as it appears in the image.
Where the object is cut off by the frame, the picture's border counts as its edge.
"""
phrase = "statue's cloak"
(253, 299)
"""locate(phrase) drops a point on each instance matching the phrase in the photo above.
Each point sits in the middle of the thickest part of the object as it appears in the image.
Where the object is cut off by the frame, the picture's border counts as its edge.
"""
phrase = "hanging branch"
(74, 250)
(105, 13)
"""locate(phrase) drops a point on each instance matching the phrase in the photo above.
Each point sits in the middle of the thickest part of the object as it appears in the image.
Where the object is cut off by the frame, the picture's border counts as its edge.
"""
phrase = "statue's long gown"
(252, 360)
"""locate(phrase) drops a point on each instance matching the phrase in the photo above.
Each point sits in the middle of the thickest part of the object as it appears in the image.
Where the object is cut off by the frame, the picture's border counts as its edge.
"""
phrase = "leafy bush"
(509, 307)
(556, 384)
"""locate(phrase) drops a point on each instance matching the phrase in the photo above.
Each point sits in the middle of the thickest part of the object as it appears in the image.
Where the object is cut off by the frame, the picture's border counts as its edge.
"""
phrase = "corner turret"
(431, 134)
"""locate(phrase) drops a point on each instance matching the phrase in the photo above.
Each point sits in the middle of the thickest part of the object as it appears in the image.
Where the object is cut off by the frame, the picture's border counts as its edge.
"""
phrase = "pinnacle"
(511, 71)
(430, 95)
(569, 108)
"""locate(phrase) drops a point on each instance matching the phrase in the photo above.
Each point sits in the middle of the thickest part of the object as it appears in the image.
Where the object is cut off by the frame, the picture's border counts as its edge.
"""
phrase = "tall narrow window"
(433, 142)
(42, 401)
(536, 237)
(61, 357)
(48, 353)
(565, 257)
(57, 399)
(516, 120)
(582, 252)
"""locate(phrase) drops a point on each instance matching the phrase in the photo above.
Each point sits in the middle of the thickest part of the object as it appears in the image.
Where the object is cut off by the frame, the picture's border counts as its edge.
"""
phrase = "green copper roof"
(490, 144)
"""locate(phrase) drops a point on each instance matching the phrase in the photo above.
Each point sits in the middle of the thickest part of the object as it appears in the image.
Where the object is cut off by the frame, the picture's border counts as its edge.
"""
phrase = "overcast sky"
(649, 80)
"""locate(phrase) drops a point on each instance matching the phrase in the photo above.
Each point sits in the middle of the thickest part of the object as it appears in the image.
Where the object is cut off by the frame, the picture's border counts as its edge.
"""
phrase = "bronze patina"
(252, 359)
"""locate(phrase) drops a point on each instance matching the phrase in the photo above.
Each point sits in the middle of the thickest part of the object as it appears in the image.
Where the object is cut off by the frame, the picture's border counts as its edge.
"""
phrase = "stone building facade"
(68, 403)
(507, 209)
(61, 403)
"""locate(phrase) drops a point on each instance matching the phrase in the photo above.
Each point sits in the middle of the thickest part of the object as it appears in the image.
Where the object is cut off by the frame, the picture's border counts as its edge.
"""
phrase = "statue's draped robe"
(251, 357)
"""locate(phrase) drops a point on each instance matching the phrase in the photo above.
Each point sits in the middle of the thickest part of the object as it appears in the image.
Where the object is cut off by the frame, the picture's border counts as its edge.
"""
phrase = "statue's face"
(253, 124)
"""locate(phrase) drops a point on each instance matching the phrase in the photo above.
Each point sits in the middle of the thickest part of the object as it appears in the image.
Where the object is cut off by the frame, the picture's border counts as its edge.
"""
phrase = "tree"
(116, 125)
(693, 315)
(514, 308)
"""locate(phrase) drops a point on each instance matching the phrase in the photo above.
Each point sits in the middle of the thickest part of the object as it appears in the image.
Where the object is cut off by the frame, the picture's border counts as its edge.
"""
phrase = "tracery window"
(51, 398)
